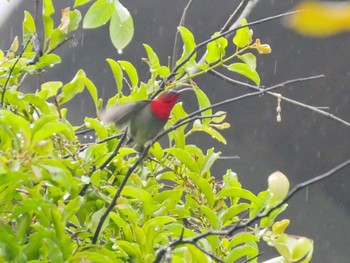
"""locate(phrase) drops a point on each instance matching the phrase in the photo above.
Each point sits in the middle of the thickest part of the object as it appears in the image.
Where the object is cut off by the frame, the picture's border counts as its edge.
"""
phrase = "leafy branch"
(190, 118)
(229, 232)
(204, 43)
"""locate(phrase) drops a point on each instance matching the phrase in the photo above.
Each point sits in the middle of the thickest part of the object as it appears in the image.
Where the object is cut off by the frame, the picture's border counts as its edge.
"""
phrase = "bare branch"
(177, 39)
(240, 11)
(260, 91)
(290, 101)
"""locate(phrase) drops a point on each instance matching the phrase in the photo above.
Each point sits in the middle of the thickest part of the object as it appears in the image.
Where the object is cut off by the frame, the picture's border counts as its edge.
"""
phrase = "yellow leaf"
(280, 226)
(13, 48)
(320, 19)
(64, 20)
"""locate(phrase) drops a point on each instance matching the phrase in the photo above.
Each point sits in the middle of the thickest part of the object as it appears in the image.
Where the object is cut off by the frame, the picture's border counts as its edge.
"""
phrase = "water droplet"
(120, 51)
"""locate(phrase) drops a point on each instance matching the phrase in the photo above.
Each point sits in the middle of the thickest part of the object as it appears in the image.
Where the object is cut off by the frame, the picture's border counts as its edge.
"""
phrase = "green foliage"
(121, 27)
(173, 194)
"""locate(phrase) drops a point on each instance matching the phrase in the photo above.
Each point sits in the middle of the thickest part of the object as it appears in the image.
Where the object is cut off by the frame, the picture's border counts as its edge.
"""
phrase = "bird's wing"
(122, 113)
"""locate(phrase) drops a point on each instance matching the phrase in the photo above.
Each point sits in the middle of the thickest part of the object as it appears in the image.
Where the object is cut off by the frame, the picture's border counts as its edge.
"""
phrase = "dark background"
(303, 145)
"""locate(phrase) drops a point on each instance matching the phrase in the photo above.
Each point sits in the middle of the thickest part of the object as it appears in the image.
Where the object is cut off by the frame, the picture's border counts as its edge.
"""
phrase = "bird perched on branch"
(144, 119)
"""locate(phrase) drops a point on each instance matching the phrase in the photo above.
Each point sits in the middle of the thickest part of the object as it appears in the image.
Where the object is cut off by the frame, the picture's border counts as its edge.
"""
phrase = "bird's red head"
(162, 106)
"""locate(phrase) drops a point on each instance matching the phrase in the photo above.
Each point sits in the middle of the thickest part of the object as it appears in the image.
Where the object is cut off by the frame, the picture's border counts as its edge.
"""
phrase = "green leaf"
(38, 102)
(121, 27)
(203, 102)
(48, 10)
(242, 37)
(245, 70)
(8, 244)
(100, 129)
(197, 126)
(249, 59)
(80, 2)
(268, 221)
(50, 88)
(141, 195)
(17, 128)
(22, 227)
(185, 159)
(48, 130)
(72, 88)
(152, 57)
(157, 151)
(57, 37)
(28, 27)
(96, 217)
(98, 14)
(91, 88)
(189, 43)
(123, 225)
(209, 160)
(302, 247)
(235, 192)
(216, 49)
(221, 115)
(71, 208)
(177, 135)
(249, 251)
(130, 71)
(211, 216)
(47, 60)
(195, 254)
(230, 180)
(204, 187)
(95, 178)
(229, 215)
(242, 238)
(151, 227)
(117, 73)
(74, 20)
(132, 249)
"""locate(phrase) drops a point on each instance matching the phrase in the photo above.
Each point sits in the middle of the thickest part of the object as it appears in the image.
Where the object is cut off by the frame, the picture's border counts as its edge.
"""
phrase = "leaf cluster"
(172, 195)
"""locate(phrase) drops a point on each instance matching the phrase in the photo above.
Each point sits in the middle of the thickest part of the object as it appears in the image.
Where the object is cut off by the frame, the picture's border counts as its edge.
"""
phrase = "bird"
(144, 119)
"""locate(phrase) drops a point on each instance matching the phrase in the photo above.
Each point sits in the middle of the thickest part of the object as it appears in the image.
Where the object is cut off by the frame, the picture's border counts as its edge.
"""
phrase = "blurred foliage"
(44, 166)
(320, 18)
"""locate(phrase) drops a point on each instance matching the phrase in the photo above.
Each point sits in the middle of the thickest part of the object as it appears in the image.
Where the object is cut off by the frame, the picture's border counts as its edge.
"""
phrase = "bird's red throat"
(162, 106)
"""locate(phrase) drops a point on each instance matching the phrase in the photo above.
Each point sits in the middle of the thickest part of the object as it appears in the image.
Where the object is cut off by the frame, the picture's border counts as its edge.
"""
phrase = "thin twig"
(11, 71)
(290, 101)
(36, 13)
(48, 52)
(235, 15)
(208, 253)
(117, 136)
(117, 195)
(60, 44)
(204, 43)
(250, 259)
(110, 158)
(177, 39)
(185, 120)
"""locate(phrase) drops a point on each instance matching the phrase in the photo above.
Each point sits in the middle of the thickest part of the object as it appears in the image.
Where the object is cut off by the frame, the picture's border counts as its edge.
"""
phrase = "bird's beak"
(182, 90)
